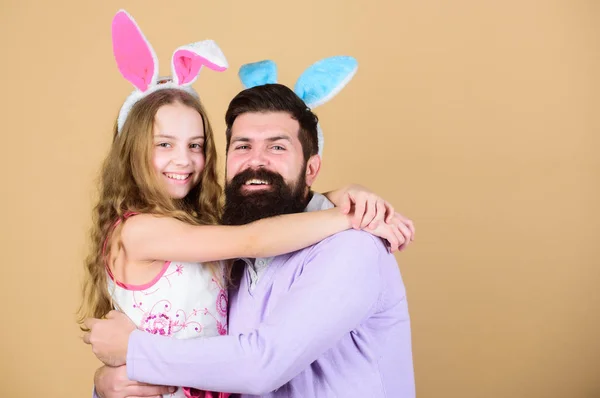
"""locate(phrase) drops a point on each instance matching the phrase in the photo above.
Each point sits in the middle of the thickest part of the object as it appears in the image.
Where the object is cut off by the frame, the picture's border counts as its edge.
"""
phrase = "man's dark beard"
(246, 207)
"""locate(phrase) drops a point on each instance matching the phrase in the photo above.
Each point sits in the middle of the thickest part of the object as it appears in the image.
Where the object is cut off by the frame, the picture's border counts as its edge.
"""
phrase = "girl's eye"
(196, 146)
(164, 145)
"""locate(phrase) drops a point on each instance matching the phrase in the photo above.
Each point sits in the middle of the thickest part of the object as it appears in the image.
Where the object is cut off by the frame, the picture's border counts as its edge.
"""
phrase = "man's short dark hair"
(276, 98)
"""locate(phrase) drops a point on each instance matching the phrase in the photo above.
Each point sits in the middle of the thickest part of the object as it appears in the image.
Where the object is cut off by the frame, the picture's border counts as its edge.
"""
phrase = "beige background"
(478, 119)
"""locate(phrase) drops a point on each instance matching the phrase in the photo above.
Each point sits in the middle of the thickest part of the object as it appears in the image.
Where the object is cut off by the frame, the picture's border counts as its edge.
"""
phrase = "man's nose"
(257, 159)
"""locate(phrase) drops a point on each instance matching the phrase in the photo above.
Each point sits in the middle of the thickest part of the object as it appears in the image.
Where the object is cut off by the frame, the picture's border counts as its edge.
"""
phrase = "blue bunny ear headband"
(318, 84)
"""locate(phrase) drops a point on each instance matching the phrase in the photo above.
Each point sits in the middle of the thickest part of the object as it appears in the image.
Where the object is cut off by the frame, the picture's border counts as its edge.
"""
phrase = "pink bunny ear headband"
(138, 64)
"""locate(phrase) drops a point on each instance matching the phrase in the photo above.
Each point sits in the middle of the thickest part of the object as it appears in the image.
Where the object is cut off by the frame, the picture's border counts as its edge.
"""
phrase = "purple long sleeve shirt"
(327, 321)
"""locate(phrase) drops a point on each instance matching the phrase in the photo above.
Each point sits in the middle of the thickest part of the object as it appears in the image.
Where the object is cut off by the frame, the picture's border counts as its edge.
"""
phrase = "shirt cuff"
(130, 361)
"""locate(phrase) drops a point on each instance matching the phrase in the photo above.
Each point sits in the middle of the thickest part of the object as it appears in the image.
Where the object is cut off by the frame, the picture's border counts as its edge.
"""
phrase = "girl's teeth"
(178, 176)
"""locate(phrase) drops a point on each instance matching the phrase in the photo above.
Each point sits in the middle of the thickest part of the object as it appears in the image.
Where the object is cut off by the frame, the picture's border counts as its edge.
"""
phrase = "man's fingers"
(144, 396)
(86, 338)
(147, 390)
(112, 314)
(137, 396)
(90, 322)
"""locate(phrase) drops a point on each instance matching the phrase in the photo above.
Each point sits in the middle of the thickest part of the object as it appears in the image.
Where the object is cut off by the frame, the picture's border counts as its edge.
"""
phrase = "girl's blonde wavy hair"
(129, 183)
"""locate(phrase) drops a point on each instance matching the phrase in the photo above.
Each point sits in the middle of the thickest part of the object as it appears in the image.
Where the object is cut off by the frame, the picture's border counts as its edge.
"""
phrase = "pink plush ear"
(135, 57)
(188, 60)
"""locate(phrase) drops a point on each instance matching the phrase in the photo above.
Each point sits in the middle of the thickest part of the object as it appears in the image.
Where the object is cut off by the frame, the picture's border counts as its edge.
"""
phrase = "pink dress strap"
(108, 236)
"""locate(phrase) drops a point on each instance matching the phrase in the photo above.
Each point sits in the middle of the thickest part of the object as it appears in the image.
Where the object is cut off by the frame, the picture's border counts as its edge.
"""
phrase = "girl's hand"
(374, 215)
(398, 233)
(367, 205)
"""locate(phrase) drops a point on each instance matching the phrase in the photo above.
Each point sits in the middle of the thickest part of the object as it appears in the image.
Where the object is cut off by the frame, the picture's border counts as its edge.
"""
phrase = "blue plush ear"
(324, 79)
(258, 73)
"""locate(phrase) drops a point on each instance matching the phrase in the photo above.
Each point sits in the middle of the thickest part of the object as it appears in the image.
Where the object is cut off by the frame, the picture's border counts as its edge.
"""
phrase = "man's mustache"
(270, 177)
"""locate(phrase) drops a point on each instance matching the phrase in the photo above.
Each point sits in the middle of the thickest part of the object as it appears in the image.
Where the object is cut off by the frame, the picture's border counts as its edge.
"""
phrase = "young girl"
(156, 241)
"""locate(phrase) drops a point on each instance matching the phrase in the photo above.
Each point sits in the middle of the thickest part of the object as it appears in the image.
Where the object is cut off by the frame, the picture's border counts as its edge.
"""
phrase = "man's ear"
(312, 169)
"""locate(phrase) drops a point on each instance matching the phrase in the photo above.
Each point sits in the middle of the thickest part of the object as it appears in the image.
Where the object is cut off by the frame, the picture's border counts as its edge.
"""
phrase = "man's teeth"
(177, 176)
(256, 182)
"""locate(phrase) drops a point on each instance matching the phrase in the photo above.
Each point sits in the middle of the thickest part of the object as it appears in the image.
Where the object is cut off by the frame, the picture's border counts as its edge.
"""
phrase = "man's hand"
(109, 337)
(112, 382)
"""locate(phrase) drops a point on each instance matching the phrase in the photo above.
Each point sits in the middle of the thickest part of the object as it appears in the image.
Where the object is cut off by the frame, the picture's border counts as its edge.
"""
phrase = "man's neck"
(308, 198)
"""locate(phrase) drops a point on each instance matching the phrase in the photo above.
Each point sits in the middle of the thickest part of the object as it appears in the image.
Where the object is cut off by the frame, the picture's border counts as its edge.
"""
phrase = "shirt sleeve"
(337, 290)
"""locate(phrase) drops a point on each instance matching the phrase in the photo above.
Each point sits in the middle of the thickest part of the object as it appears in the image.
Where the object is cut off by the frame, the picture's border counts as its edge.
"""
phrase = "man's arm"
(112, 382)
(338, 289)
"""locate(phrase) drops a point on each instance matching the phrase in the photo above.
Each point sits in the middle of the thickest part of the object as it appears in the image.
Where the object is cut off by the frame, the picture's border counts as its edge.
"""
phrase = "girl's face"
(178, 154)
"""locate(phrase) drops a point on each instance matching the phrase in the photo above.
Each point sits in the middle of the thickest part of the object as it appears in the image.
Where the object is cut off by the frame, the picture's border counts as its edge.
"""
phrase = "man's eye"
(278, 148)
(242, 147)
